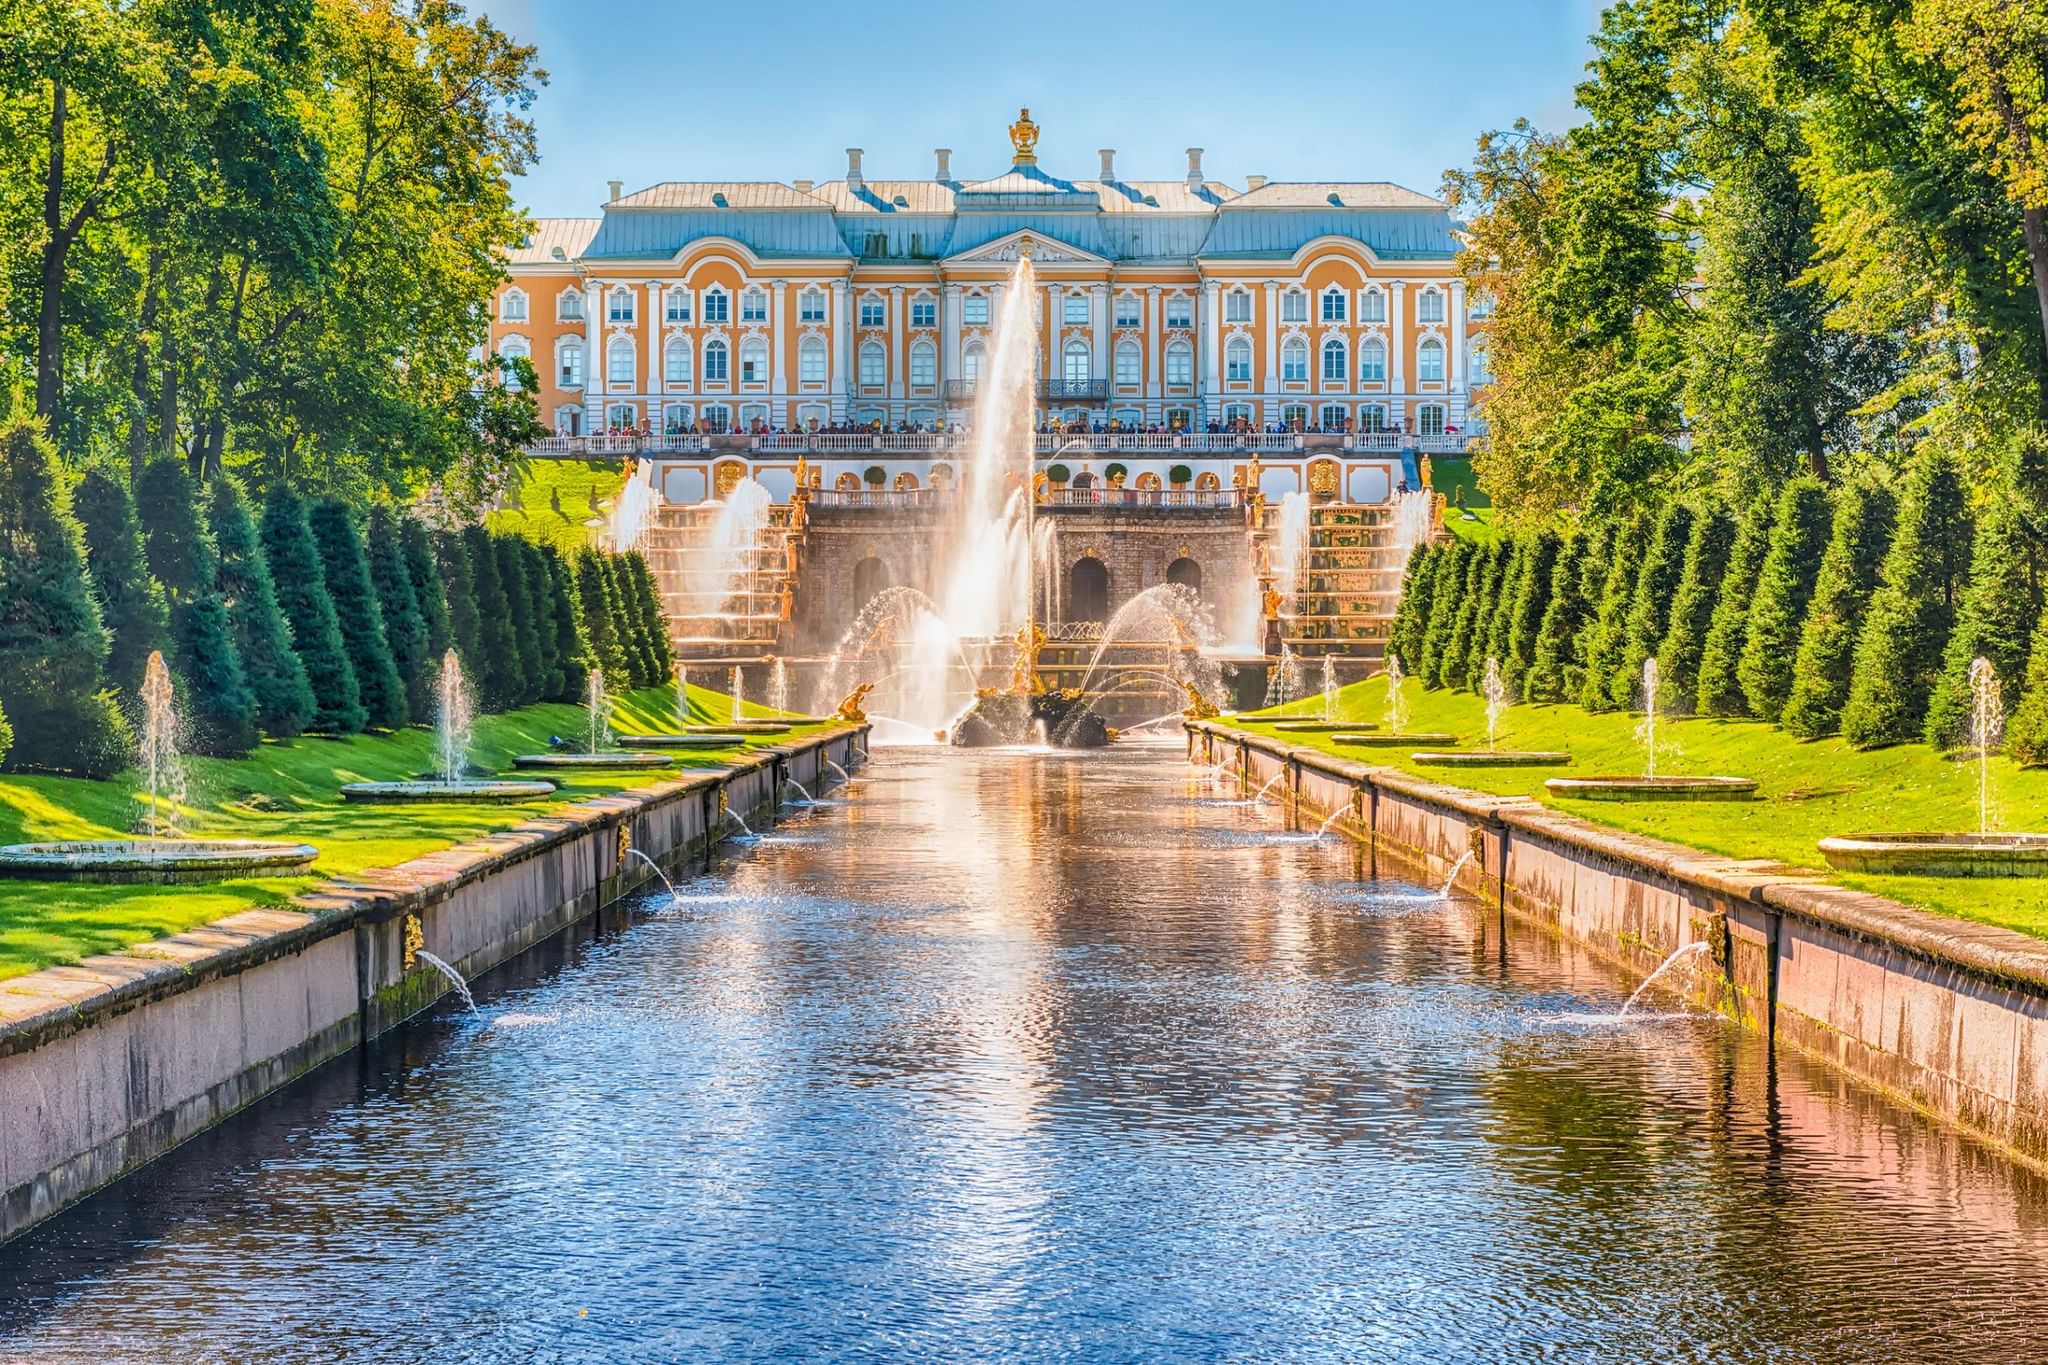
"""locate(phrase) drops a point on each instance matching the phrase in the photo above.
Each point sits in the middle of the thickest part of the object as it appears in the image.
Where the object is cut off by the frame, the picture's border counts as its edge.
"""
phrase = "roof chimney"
(853, 181)
(1108, 155)
(945, 171)
(1254, 182)
(617, 188)
(1194, 168)
(803, 186)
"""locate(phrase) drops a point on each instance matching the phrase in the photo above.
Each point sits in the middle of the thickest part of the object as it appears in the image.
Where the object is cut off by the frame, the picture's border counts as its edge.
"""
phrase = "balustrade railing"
(669, 443)
(1142, 497)
(1166, 443)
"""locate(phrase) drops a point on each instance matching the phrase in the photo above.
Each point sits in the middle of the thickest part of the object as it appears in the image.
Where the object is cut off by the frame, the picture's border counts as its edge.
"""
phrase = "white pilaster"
(1454, 363)
(1210, 323)
(949, 334)
(897, 347)
(1397, 345)
(595, 329)
(1098, 310)
(654, 368)
(778, 336)
(842, 348)
(1273, 337)
(1155, 344)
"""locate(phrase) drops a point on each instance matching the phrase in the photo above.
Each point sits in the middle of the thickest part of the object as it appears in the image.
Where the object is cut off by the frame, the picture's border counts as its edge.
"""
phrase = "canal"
(1001, 1055)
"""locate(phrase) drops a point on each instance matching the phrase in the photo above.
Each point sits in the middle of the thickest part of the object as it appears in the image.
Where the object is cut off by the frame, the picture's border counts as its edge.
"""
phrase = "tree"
(653, 620)
(347, 573)
(131, 602)
(1649, 613)
(600, 617)
(1995, 622)
(500, 674)
(1531, 605)
(458, 582)
(524, 634)
(570, 646)
(1857, 542)
(263, 636)
(405, 627)
(540, 608)
(1557, 668)
(1784, 586)
(1452, 582)
(428, 589)
(1499, 619)
(1604, 642)
(1458, 667)
(1404, 636)
(2026, 734)
(1906, 629)
(53, 645)
(1720, 690)
(1700, 583)
(218, 708)
(301, 581)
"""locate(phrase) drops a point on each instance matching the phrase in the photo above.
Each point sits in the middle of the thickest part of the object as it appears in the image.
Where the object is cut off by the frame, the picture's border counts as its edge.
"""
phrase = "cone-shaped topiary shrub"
(600, 618)
(355, 607)
(405, 629)
(52, 642)
(1777, 610)
(214, 700)
(1996, 621)
(1649, 613)
(540, 609)
(301, 582)
(1862, 532)
(1460, 669)
(458, 585)
(429, 592)
(626, 621)
(131, 601)
(1720, 690)
(1604, 642)
(270, 662)
(525, 633)
(570, 647)
(1526, 612)
(500, 675)
(1404, 636)
(653, 621)
(2026, 733)
(1451, 583)
(1498, 623)
(1554, 666)
(1905, 631)
(1692, 609)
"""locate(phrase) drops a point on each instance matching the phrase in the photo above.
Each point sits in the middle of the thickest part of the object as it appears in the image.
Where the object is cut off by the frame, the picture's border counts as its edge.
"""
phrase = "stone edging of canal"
(108, 1063)
(1945, 1015)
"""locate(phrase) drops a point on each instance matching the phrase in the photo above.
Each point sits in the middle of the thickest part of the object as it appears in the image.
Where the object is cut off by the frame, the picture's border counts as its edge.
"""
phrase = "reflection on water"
(1033, 1055)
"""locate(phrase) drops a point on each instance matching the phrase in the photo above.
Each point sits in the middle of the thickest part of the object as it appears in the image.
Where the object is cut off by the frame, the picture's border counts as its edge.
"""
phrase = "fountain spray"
(1647, 731)
(453, 719)
(1496, 692)
(159, 750)
(739, 695)
(594, 707)
(1987, 728)
(1329, 687)
(682, 697)
(1397, 705)
(778, 686)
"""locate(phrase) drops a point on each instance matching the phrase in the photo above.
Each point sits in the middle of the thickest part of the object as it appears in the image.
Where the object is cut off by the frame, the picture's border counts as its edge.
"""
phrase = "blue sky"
(643, 91)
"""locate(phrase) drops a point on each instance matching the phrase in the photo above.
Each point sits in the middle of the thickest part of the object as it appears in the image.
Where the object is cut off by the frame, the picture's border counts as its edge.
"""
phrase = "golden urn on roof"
(1024, 138)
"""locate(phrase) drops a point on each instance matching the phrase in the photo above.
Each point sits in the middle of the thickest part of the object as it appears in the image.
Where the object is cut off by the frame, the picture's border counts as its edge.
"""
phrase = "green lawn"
(1809, 788)
(576, 485)
(1449, 476)
(289, 791)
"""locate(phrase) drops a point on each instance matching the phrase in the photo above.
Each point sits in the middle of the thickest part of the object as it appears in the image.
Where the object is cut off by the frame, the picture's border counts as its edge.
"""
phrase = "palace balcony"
(1098, 497)
(1171, 443)
(1393, 442)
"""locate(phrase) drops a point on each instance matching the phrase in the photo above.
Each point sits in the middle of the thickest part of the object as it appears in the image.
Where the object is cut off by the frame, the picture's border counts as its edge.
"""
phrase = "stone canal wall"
(1943, 1014)
(108, 1064)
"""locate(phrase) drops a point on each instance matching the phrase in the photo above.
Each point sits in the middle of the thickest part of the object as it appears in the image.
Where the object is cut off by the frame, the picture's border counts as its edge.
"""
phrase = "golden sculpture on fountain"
(1024, 678)
(850, 709)
(1199, 707)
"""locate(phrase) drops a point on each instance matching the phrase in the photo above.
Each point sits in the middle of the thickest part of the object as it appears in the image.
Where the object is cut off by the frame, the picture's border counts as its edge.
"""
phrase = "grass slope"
(576, 483)
(1809, 789)
(290, 791)
(1446, 476)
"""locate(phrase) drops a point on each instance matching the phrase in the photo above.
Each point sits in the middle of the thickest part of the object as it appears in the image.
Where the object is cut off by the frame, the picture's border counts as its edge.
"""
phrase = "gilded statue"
(1024, 138)
(1272, 602)
(1024, 679)
(1198, 707)
(850, 709)
(803, 478)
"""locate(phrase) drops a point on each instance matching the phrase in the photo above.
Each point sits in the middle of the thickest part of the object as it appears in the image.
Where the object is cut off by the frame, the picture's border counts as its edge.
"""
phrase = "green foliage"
(1649, 613)
(653, 620)
(355, 607)
(1461, 666)
(1556, 666)
(301, 580)
(1720, 689)
(131, 602)
(405, 626)
(1692, 611)
(540, 609)
(571, 652)
(1502, 613)
(214, 700)
(263, 637)
(1862, 532)
(1906, 629)
(500, 674)
(2026, 733)
(525, 629)
(607, 652)
(1180, 474)
(1530, 606)
(429, 592)
(1411, 614)
(458, 583)
(1604, 641)
(52, 642)
(1784, 586)
(1445, 596)
(628, 622)
(1995, 622)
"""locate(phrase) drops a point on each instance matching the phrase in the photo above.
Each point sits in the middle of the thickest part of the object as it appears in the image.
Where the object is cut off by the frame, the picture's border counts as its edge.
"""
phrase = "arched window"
(924, 365)
(753, 361)
(754, 305)
(510, 349)
(1373, 417)
(1074, 364)
(1334, 367)
(1372, 307)
(1430, 306)
(810, 306)
(512, 307)
(1294, 306)
(1333, 304)
(810, 360)
(717, 362)
(870, 578)
(569, 363)
(1481, 367)
(1429, 419)
(1372, 361)
(874, 366)
(623, 416)
(1185, 572)
(675, 418)
(970, 365)
(1088, 590)
(1130, 365)
(676, 305)
(1180, 363)
(1237, 360)
(618, 363)
(1429, 361)
(569, 305)
(675, 362)
(569, 421)
(1294, 360)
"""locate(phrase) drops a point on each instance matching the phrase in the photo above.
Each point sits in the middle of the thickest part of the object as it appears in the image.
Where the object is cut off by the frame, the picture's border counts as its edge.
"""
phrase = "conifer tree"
(600, 618)
(1784, 586)
(1649, 613)
(1503, 611)
(1906, 628)
(653, 620)
(540, 609)
(1451, 582)
(1604, 642)
(214, 700)
(355, 607)
(1472, 614)
(626, 622)
(1526, 613)
(501, 679)
(1720, 691)
(1857, 541)
(53, 645)
(570, 647)
(1995, 622)
(270, 662)
(1554, 668)
(458, 585)
(2026, 733)
(1404, 637)
(1692, 610)
(525, 633)
(131, 601)
(6, 740)
(301, 582)
(405, 629)
(428, 590)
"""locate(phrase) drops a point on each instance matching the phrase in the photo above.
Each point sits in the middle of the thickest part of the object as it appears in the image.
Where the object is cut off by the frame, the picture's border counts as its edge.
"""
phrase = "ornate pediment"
(1044, 251)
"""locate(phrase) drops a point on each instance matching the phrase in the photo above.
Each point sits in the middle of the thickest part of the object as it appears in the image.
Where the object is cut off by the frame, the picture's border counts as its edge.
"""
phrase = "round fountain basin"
(396, 793)
(1623, 788)
(1413, 739)
(1321, 727)
(155, 862)
(1918, 854)
(743, 727)
(598, 762)
(695, 740)
(1493, 758)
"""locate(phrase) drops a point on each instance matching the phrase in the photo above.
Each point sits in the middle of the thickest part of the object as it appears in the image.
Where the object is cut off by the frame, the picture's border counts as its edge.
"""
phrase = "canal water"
(1020, 1056)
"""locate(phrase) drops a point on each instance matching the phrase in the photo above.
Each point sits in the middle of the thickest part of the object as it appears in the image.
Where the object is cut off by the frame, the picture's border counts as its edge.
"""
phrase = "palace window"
(1180, 311)
(1294, 306)
(717, 360)
(924, 312)
(677, 307)
(810, 306)
(1429, 361)
(1333, 417)
(569, 364)
(1372, 307)
(974, 310)
(1129, 365)
(1180, 363)
(569, 308)
(1372, 417)
(717, 307)
(753, 416)
(512, 306)
(675, 362)
(1333, 305)
(1128, 313)
(873, 312)
(618, 363)
(1294, 361)
(1237, 361)
(1481, 367)
(509, 350)
(1480, 305)
(1074, 308)
(924, 365)
(1372, 361)
(970, 365)
(874, 366)
(675, 419)
(1294, 416)
(717, 417)
(1429, 419)
(810, 361)
(753, 361)
(1074, 364)
(754, 305)
(569, 421)
(623, 415)
(1237, 306)
(620, 307)
(1334, 368)
(1234, 413)
(1430, 306)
